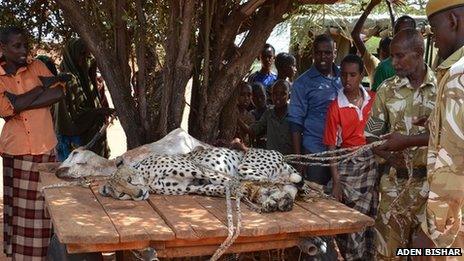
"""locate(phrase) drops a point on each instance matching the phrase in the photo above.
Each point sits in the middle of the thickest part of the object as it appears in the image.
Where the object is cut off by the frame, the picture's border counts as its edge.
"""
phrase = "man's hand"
(421, 121)
(237, 144)
(11, 97)
(394, 142)
(64, 77)
(394, 159)
(397, 161)
(49, 81)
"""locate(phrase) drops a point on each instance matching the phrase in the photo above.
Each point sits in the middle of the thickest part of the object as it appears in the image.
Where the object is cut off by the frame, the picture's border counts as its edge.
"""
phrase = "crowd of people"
(411, 185)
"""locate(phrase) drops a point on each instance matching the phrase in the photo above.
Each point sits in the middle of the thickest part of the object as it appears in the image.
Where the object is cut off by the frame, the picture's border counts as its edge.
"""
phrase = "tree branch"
(120, 38)
(178, 67)
(89, 32)
(250, 7)
(141, 50)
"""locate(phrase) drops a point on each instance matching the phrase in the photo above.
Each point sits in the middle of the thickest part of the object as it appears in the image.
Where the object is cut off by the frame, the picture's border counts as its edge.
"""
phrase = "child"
(274, 121)
(260, 106)
(353, 181)
(265, 76)
(285, 64)
(244, 101)
(259, 100)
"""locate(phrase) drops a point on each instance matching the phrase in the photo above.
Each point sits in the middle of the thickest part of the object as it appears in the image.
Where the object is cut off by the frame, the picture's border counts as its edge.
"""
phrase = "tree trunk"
(228, 66)
(228, 122)
(141, 53)
(207, 52)
(111, 67)
(178, 67)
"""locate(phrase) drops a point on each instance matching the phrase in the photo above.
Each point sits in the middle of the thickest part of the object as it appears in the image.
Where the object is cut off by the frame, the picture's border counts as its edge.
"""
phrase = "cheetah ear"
(198, 148)
(119, 161)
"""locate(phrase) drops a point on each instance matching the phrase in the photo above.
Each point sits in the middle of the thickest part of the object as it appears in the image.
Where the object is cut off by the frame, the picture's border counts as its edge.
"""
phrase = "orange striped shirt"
(30, 132)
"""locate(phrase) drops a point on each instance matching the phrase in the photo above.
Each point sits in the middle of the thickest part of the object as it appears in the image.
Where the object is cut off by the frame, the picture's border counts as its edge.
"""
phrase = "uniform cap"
(435, 6)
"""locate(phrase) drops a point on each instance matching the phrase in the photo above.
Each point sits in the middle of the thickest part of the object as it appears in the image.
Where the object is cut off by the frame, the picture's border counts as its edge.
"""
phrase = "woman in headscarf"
(80, 115)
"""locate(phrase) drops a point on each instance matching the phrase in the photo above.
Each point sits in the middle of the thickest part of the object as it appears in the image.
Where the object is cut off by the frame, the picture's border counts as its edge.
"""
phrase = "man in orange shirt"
(27, 138)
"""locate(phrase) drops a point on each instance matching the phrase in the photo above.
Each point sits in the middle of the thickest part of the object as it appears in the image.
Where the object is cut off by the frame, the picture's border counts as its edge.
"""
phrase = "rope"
(237, 187)
(327, 155)
(83, 182)
(80, 182)
(233, 234)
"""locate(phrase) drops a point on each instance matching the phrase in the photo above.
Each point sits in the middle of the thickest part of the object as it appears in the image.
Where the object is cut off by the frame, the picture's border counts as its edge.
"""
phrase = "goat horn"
(99, 134)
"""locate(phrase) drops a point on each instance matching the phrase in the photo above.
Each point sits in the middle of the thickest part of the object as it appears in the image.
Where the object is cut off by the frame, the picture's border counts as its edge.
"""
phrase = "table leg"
(119, 255)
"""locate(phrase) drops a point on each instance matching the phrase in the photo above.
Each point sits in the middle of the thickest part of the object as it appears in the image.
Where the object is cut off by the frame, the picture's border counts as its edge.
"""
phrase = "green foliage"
(47, 26)
(41, 18)
(343, 15)
(372, 44)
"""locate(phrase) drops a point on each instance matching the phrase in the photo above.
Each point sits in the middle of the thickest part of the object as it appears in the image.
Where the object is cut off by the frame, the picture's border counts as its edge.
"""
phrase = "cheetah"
(207, 171)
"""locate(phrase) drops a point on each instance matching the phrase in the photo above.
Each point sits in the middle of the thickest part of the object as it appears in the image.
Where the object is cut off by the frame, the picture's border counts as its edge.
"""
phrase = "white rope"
(233, 231)
(83, 182)
(80, 182)
(322, 156)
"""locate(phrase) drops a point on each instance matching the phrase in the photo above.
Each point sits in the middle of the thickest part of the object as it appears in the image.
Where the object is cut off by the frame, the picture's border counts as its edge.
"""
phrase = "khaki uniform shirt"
(395, 106)
(445, 170)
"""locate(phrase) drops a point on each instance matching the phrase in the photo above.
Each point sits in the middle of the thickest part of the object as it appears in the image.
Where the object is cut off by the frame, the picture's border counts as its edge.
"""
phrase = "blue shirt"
(266, 79)
(311, 96)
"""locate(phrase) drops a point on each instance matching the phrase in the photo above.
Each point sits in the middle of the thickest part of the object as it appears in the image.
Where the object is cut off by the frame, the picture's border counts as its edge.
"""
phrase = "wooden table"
(184, 225)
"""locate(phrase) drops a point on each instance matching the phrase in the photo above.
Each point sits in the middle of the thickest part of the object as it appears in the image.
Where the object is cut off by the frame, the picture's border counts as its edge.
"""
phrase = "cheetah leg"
(213, 177)
(208, 190)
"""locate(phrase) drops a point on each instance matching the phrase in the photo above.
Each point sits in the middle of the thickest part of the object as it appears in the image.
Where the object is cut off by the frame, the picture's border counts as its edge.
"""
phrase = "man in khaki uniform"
(446, 144)
(408, 95)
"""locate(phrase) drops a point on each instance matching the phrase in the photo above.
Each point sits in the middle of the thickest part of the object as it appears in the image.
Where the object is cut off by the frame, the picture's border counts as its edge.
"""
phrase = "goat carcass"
(85, 163)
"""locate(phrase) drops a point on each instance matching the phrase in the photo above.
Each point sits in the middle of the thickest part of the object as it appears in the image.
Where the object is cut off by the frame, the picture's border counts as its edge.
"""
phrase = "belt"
(420, 172)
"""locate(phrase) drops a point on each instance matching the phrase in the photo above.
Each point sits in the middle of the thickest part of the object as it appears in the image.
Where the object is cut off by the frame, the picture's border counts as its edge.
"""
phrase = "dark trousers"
(321, 176)
(317, 174)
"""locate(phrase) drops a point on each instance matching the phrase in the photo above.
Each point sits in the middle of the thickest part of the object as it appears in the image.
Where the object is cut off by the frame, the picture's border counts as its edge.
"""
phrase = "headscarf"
(71, 53)
(76, 114)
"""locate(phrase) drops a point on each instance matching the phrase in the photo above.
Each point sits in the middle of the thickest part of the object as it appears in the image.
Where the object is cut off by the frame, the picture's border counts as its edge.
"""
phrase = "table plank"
(187, 218)
(134, 220)
(299, 220)
(253, 223)
(76, 214)
(339, 216)
(190, 251)
(83, 219)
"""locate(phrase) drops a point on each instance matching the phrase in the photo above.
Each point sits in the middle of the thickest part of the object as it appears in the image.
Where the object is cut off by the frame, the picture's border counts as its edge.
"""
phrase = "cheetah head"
(276, 198)
(125, 184)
